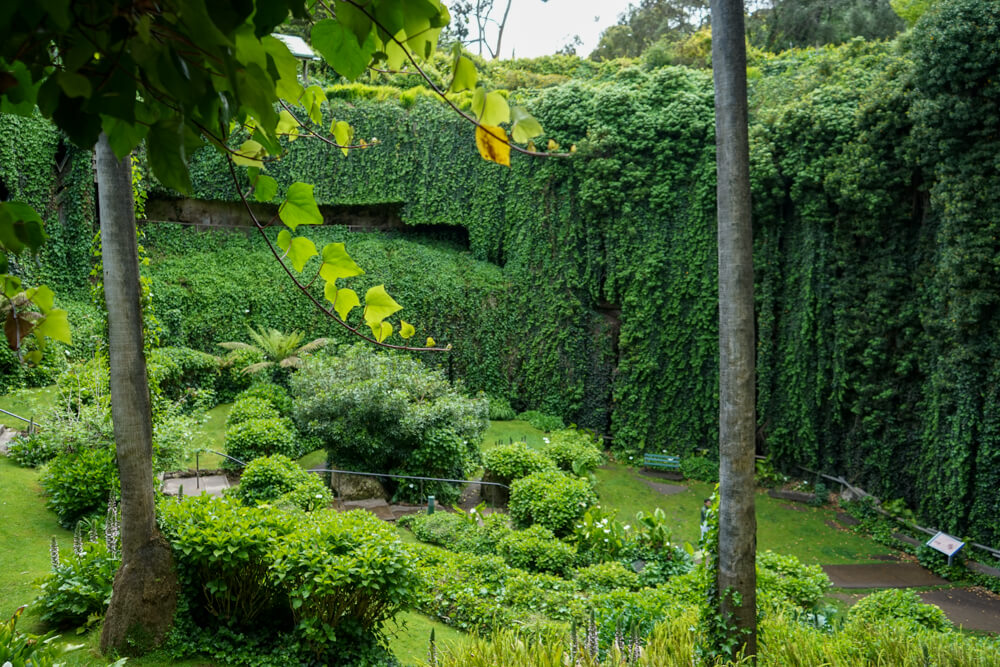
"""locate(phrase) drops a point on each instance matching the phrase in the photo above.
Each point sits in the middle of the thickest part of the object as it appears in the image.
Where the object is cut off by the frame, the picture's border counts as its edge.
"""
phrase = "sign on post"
(946, 544)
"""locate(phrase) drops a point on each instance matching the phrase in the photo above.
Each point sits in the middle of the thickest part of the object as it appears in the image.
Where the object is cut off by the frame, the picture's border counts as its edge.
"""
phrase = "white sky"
(536, 28)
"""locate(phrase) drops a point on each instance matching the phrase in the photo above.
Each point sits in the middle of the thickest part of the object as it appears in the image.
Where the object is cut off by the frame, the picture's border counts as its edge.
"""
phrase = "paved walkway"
(882, 575)
(213, 485)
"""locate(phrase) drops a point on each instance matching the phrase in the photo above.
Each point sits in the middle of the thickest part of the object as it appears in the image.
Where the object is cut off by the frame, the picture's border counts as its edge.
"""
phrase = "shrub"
(598, 535)
(260, 437)
(441, 528)
(537, 550)
(65, 431)
(606, 577)
(18, 648)
(79, 483)
(79, 586)
(550, 499)
(232, 379)
(250, 407)
(183, 374)
(506, 463)
(173, 441)
(700, 468)
(787, 577)
(345, 575)
(379, 412)
(278, 479)
(542, 421)
(276, 394)
(574, 451)
(500, 409)
(621, 610)
(86, 384)
(898, 604)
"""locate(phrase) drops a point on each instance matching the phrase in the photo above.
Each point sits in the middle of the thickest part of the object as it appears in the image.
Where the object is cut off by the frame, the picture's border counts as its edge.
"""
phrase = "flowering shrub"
(550, 499)
(598, 535)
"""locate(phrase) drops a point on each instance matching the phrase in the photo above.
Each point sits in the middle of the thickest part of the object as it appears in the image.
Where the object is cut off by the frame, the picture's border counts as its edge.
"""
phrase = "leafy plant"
(18, 648)
(574, 451)
(279, 480)
(79, 483)
(898, 605)
(700, 468)
(598, 535)
(506, 463)
(500, 409)
(537, 550)
(255, 438)
(542, 421)
(606, 577)
(550, 499)
(80, 586)
(786, 576)
(278, 349)
(276, 394)
(246, 408)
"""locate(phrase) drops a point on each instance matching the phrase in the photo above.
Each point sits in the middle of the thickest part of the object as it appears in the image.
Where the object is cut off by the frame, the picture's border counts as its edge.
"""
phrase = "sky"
(536, 28)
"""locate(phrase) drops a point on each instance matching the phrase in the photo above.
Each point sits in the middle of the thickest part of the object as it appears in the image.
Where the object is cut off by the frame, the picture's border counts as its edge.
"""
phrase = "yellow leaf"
(381, 330)
(490, 146)
(406, 329)
(553, 146)
(430, 342)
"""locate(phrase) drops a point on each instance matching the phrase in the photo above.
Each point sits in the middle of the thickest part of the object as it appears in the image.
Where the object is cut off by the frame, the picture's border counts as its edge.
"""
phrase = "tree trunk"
(145, 588)
(737, 522)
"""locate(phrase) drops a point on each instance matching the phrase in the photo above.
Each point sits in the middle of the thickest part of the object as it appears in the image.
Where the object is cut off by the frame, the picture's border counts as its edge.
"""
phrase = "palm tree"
(278, 348)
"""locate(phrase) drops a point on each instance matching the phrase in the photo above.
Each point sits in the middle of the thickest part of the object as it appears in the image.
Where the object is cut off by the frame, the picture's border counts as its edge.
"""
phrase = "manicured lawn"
(410, 636)
(213, 437)
(502, 433)
(782, 526)
(28, 403)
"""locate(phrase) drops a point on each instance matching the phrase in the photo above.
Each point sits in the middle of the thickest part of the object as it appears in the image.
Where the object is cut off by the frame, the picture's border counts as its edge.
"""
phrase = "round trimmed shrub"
(275, 393)
(536, 549)
(551, 499)
(278, 479)
(79, 483)
(250, 407)
(790, 578)
(260, 437)
(606, 577)
(574, 451)
(506, 463)
(897, 604)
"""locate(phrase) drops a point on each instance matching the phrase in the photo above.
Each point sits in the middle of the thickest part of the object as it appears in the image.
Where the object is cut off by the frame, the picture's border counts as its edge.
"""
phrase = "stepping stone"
(366, 504)
(213, 485)
(882, 575)
(912, 541)
(982, 569)
(846, 519)
(665, 489)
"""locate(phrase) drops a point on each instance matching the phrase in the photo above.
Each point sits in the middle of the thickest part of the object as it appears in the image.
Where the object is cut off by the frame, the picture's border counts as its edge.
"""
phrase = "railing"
(197, 464)
(32, 424)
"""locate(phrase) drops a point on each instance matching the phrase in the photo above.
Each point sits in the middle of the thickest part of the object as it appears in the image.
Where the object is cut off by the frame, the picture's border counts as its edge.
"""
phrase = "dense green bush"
(550, 499)
(379, 412)
(701, 468)
(80, 586)
(541, 420)
(246, 408)
(184, 375)
(442, 528)
(86, 384)
(79, 483)
(174, 440)
(505, 463)
(898, 605)
(232, 379)
(500, 409)
(537, 550)
(279, 480)
(254, 438)
(787, 578)
(574, 451)
(606, 577)
(71, 431)
(276, 394)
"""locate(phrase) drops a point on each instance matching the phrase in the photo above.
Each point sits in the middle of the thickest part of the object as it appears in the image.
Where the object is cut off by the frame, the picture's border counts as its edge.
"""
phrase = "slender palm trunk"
(145, 590)
(737, 521)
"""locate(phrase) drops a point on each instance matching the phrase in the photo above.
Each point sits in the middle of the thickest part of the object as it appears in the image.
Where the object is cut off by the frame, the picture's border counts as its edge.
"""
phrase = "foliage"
(279, 480)
(535, 549)
(897, 605)
(574, 451)
(507, 463)
(281, 351)
(379, 412)
(80, 586)
(647, 22)
(542, 421)
(65, 431)
(500, 409)
(185, 375)
(276, 394)
(255, 438)
(598, 535)
(246, 408)
(785, 24)
(701, 468)
(788, 578)
(459, 531)
(606, 577)
(77, 484)
(550, 499)
(174, 441)
(18, 648)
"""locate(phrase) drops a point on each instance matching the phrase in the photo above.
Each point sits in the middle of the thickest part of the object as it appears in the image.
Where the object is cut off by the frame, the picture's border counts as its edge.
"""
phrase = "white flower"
(605, 539)
(606, 531)
(627, 527)
(545, 440)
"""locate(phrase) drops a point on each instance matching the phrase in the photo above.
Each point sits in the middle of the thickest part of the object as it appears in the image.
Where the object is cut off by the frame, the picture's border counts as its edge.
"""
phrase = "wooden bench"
(662, 462)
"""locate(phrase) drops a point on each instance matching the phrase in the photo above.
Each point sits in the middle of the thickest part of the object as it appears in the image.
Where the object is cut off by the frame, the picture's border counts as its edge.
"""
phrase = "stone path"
(213, 485)
(665, 489)
(882, 575)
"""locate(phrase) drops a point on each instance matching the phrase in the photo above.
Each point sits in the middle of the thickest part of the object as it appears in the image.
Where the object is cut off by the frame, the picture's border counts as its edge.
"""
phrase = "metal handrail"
(197, 464)
(422, 479)
(31, 422)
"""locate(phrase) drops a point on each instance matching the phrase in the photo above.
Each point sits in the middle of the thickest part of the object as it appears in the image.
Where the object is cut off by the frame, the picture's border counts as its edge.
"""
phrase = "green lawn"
(28, 403)
(212, 436)
(502, 433)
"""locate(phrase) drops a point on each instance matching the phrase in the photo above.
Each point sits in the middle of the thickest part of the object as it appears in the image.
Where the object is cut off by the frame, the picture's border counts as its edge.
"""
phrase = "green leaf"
(288, 86)
(167, 158)
(342, 134)
(265, 188)
(344, 300)
(299, 207)
(287, 125)
(123, 136)
(298, 250)
(379, 305)
(341, 49)
(74, 85)
(337, 263)
(490, 108)
(42, 296)
(20, 227)
(430, 342)
(312, 101)
(406, 329)
(249, 154)
(56, 326)
(463, 73)
(380, 330)
(525, 126)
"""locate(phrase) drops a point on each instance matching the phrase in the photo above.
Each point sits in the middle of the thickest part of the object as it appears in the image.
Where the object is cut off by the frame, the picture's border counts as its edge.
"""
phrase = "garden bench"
(662, 462)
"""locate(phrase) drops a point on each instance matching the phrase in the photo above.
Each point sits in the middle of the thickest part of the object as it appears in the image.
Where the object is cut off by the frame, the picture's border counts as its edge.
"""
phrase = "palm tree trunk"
(145, 587)
(737, 521)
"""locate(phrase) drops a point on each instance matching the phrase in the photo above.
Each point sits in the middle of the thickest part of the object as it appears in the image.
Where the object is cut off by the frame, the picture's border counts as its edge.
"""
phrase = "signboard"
(946, 544)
